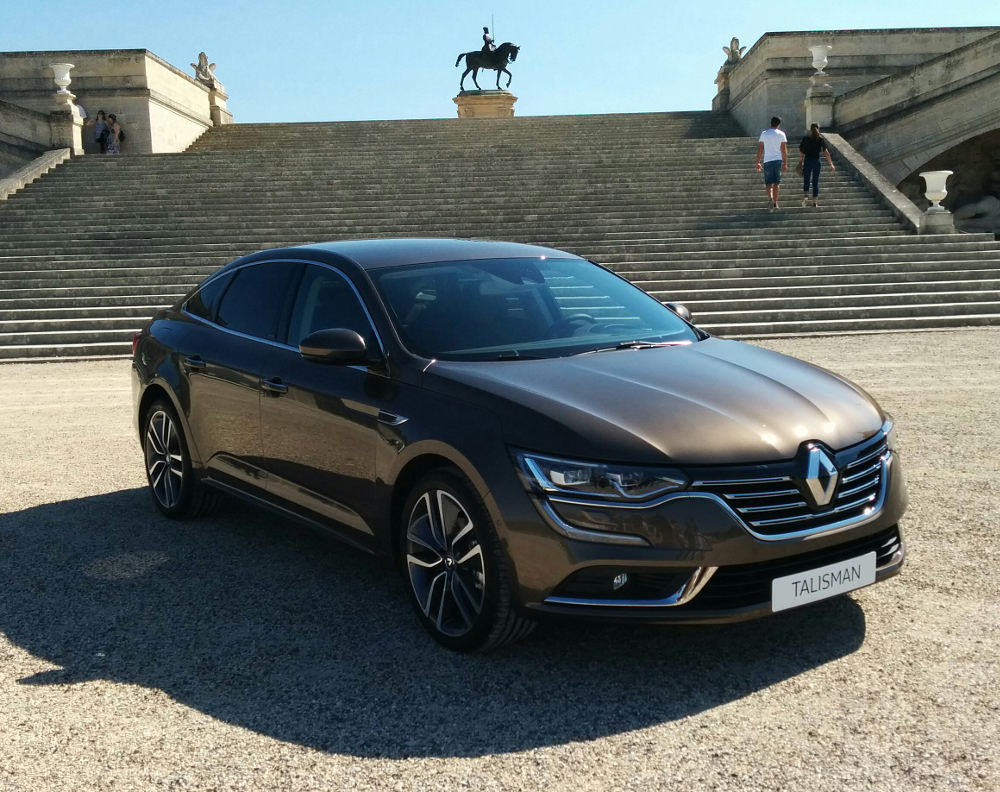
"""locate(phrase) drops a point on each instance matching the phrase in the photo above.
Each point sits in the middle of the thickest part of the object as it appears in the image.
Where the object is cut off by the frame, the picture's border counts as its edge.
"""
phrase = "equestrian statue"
(488, 58)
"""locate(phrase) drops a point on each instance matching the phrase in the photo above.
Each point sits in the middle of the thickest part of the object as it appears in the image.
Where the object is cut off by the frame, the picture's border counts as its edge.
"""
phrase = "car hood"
(712, 402)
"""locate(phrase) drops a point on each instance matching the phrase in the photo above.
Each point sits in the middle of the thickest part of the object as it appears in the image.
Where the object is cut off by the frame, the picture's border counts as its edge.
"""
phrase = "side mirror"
(339, 345)
(681, 310)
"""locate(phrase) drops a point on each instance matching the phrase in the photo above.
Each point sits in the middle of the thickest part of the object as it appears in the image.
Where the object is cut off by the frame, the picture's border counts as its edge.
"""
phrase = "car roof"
(378, 253)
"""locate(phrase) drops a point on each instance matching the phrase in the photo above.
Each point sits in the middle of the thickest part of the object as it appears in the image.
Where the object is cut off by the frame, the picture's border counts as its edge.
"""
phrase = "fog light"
(620, 580)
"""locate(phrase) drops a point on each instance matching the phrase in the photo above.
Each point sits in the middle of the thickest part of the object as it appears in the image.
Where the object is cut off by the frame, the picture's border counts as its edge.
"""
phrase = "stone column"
(819, 96)
(65, 123)
(721, 99)
(217, 107)
(485, 104)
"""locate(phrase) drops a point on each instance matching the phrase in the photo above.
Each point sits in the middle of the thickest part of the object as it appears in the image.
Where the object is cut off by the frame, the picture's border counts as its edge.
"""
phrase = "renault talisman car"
(522, 432)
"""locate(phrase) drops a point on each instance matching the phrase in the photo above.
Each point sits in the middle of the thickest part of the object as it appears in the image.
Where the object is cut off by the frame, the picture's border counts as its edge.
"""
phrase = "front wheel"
(456, 568)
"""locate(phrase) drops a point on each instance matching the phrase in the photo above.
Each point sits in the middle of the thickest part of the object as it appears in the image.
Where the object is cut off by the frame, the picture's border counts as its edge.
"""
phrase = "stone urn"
(936, 191)
(819, 53)
(62, 79)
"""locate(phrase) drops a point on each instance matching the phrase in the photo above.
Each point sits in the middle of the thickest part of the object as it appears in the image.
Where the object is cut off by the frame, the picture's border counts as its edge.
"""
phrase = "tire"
(455, 567)
(172, 482)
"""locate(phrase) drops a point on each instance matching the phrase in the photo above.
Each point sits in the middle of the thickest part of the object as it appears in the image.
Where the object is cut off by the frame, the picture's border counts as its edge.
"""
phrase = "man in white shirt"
(772, 158)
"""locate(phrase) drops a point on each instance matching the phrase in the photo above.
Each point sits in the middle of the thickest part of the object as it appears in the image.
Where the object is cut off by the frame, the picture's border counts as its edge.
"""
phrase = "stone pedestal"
(819, 103)
(721, 99)
(937, 223)
(217, 109)
(485, 104)
(65, 124)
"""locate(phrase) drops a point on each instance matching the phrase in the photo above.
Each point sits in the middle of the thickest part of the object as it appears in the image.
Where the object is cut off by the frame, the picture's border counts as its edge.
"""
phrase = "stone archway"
(973, 190)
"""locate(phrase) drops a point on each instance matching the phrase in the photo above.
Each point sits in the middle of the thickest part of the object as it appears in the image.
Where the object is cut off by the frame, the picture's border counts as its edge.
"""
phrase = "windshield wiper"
(637, 345)
(515, 355)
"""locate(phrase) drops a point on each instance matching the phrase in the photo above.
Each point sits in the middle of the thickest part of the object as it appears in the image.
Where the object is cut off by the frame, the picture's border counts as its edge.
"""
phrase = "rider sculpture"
(489, 57)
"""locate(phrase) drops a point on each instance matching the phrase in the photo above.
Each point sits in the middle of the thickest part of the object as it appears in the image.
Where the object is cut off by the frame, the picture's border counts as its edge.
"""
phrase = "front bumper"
(700, 561)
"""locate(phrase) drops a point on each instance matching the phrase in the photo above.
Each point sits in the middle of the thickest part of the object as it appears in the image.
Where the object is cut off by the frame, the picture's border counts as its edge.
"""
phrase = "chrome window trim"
(684, 594)
(278, 344)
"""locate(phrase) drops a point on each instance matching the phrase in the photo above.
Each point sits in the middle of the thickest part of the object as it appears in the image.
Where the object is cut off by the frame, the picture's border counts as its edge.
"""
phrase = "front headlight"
(598, 480)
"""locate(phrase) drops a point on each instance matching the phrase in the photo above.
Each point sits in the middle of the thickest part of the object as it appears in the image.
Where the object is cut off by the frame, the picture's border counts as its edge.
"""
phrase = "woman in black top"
(810, 148)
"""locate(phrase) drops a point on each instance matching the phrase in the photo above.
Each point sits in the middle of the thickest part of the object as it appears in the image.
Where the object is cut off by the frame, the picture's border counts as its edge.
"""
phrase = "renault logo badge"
(821, 475)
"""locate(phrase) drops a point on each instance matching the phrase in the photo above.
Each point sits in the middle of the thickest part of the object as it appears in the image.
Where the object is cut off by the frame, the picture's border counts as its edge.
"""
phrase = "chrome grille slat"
(774, 506)
(740, 482)
(783, 521)
(879, 450)
(862, 473)
(756, 495)
(855, 505)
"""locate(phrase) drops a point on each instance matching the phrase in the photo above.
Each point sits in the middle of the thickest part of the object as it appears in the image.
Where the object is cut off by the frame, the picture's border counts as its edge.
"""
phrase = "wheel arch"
(430, 456)
(159, 389)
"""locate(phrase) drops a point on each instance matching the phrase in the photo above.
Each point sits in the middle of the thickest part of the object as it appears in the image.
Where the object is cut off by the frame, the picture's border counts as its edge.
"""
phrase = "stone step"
(52, 351)
(890, 301)
(835, 326)
(880, 289)
(841, 313)
(69, 302)
(752, 271)
(26, 318)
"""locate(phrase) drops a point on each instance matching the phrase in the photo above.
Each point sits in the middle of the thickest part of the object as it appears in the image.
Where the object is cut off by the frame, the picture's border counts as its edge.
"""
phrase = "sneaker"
(771, 204)
(805, 200)
(815, 201)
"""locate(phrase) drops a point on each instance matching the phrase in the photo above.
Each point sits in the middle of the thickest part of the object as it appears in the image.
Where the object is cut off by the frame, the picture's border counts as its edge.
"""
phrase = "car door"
(224, 372)
(319, 431)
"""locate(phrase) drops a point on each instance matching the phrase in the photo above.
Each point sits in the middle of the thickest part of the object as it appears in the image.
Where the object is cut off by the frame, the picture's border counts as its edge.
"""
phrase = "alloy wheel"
(445, 563)
(164, 459)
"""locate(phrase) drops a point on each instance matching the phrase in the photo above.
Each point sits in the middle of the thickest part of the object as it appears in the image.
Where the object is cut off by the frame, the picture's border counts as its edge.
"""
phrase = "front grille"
(771, 503)
(745, 585)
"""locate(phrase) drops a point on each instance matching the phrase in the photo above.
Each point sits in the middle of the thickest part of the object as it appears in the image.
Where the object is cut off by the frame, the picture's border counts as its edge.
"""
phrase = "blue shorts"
(772, 172)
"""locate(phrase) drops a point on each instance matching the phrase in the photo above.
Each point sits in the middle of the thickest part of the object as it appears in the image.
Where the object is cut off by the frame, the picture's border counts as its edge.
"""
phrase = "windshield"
(505, 309)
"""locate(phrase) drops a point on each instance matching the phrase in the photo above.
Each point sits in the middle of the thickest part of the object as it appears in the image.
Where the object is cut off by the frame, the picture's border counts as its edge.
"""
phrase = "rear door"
(225, 373)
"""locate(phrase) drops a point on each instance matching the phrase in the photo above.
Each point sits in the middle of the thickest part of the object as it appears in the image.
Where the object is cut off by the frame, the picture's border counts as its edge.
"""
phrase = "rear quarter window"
(204, 301)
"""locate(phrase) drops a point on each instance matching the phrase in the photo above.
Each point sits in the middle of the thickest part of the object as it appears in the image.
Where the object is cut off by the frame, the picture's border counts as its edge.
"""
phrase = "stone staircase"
(670, 200)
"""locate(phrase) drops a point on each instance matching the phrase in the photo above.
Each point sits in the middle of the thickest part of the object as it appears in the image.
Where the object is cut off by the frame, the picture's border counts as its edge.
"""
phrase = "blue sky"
(290, 60)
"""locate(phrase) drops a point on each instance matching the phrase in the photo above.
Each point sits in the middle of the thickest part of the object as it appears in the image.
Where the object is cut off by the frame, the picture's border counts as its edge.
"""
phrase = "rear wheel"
(456, 568)
(171, 478)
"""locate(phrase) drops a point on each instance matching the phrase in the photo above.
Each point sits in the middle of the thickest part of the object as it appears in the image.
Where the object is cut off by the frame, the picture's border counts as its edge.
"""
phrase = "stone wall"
(773, 76)
(901, 122)
(161, 108)
(21, 133)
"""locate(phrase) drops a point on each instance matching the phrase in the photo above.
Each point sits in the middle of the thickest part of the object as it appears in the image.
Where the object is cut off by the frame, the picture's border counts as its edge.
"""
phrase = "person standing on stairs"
(810, 148)
(772, 158)
(114, 135)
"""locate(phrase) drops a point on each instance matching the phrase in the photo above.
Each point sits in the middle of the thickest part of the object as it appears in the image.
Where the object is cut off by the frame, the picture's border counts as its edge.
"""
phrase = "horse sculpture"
(496, 60)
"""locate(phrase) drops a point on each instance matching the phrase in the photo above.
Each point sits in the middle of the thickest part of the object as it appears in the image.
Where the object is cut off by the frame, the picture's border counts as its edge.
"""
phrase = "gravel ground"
(242, 652)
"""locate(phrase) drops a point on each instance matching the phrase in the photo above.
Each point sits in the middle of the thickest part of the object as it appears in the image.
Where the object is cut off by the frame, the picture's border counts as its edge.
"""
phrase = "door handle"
(274, 386)
(194, 362)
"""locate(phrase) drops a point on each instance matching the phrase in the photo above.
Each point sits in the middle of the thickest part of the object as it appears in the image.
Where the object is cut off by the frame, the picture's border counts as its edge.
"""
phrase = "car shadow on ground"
(262, 624)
